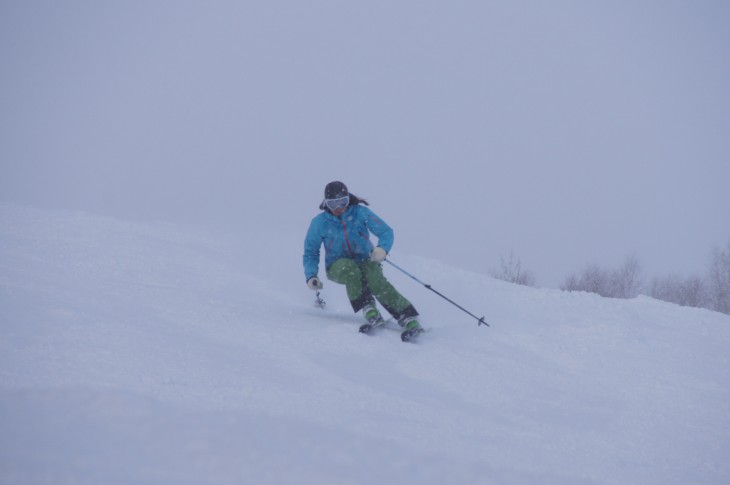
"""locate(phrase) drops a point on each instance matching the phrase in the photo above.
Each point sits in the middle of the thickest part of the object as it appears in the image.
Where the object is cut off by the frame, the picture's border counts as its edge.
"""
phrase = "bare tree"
(511, 270)
(592, 279)
(718, 278)
(626, 281)
(688, 291)
(571, 283)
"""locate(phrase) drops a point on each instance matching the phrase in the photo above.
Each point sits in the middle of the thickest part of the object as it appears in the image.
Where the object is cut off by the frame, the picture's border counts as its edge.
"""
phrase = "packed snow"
(151, 353)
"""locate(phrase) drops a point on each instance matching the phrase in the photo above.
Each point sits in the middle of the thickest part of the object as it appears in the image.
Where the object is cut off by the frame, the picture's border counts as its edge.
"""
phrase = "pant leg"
(395, 303)
(347, 272)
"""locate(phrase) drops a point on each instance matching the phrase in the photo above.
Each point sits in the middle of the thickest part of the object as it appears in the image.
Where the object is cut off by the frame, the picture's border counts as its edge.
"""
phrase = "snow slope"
(148, 353)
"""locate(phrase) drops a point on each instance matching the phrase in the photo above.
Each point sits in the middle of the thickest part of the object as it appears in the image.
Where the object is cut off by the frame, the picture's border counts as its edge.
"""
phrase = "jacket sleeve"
(383, 231)
(312, 245)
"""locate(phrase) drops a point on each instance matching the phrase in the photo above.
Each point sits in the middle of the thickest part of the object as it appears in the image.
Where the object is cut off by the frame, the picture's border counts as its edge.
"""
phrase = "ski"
(405, 335)
(368, 327)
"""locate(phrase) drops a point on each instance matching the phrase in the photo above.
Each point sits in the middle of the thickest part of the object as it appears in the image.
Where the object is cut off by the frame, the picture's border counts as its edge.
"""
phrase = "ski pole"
(480, 320)
(319, 302)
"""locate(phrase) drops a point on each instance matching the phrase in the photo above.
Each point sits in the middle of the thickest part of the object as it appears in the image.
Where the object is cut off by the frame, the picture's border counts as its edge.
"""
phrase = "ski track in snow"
(149, 353)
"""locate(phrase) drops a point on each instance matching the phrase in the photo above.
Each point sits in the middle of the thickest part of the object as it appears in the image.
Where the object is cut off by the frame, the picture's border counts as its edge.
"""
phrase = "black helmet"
(335, 190)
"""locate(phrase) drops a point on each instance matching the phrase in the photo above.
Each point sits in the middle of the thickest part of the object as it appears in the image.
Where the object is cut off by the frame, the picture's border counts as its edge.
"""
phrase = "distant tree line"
(711, 290)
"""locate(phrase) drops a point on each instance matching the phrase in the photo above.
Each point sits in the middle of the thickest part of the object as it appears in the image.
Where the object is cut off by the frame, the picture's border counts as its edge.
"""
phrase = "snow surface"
(150, 353)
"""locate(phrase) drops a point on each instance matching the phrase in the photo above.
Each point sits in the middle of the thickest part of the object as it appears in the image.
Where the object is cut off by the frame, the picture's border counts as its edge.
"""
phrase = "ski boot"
(411, 328)
(373, 316)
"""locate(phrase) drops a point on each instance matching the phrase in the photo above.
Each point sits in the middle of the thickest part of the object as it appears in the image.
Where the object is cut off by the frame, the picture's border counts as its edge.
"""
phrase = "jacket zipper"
(347, 238)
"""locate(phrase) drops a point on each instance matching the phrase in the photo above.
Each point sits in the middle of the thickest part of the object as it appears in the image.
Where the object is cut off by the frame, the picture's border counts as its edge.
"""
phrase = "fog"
(568, 132)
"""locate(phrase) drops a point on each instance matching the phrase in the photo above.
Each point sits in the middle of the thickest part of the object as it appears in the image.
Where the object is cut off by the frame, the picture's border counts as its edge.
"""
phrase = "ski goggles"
(338, 203)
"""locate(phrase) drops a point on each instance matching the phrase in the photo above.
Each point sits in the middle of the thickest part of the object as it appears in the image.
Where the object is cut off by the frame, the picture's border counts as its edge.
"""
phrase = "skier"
(351, 259)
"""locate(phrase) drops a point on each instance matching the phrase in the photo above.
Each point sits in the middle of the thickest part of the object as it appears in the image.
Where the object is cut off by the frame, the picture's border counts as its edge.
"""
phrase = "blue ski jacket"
(345, 236)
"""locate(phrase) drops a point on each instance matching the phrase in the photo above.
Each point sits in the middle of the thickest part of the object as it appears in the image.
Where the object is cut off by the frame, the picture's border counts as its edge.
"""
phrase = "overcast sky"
(570, 132)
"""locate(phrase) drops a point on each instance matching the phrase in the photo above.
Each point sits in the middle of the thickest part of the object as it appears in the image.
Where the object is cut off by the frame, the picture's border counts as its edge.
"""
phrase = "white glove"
(314, 283)
(378, 254)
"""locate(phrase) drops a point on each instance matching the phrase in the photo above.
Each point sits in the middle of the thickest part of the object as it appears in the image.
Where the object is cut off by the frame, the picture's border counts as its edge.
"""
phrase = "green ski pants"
(364, 281)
